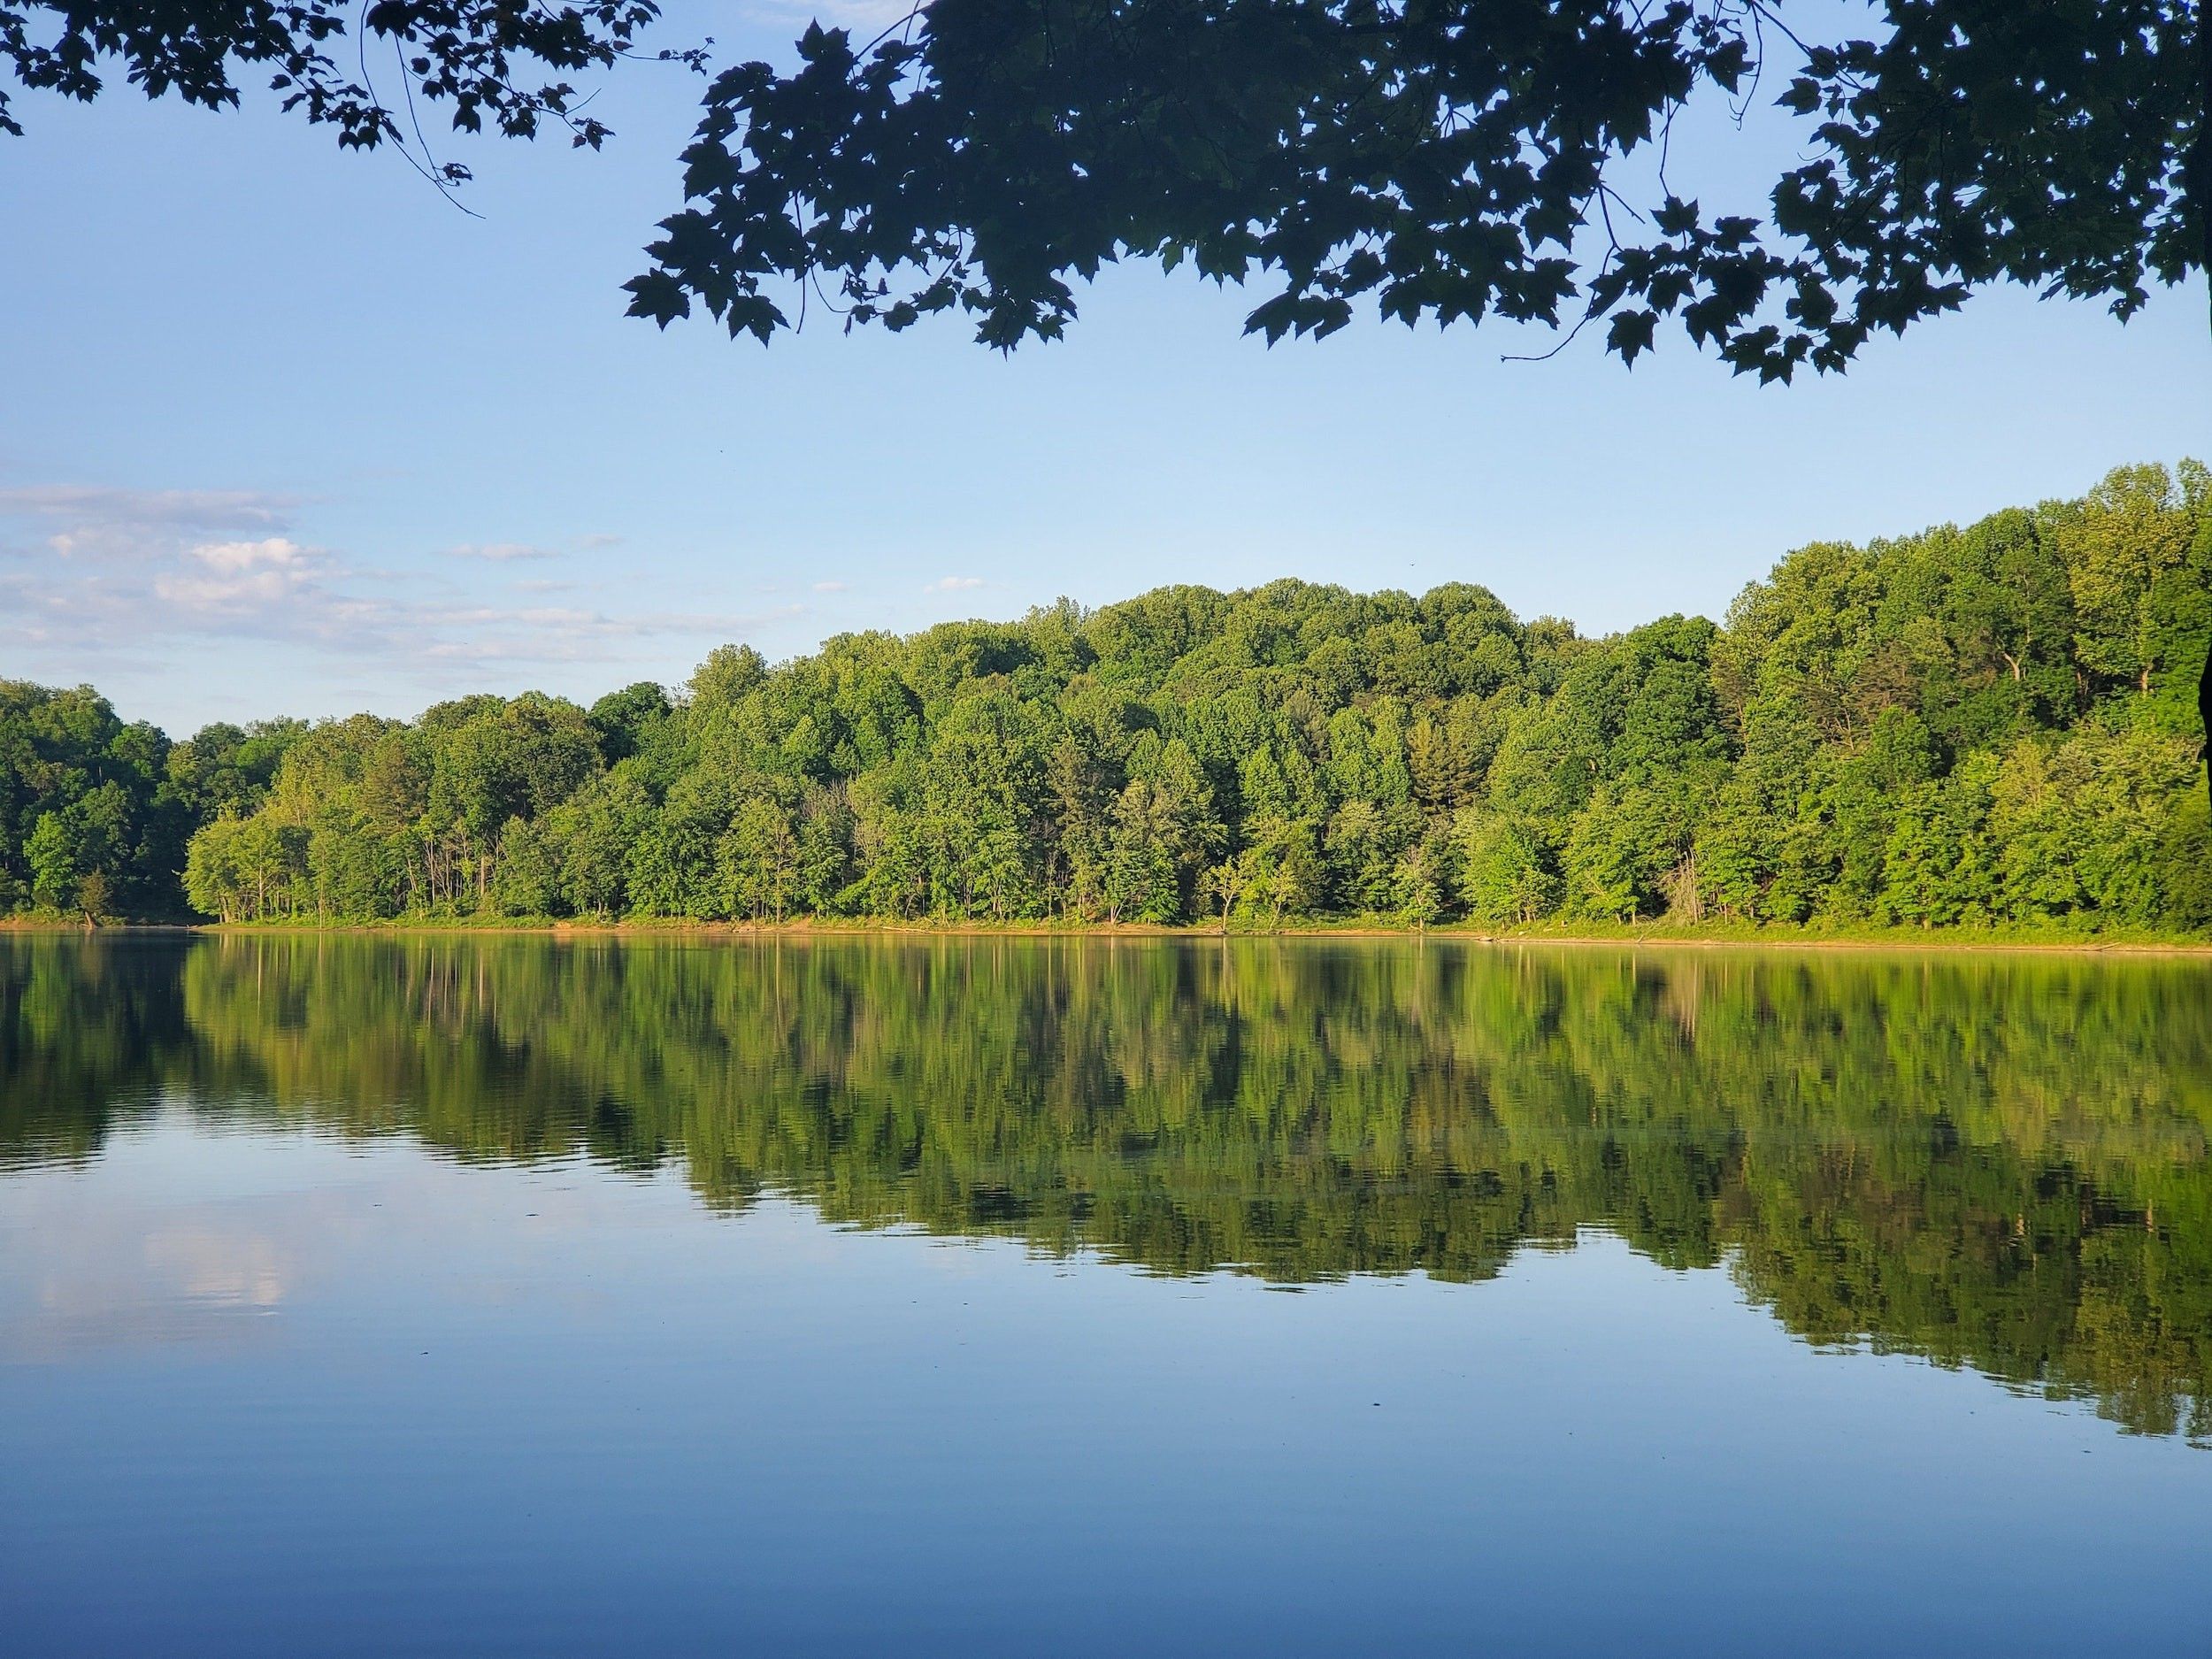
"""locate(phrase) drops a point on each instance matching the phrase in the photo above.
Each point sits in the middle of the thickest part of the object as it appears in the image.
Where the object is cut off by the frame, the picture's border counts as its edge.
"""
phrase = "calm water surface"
(997, 1297)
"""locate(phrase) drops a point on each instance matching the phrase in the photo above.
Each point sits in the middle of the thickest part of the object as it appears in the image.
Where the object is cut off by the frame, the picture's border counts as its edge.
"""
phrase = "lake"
(1045, 1296)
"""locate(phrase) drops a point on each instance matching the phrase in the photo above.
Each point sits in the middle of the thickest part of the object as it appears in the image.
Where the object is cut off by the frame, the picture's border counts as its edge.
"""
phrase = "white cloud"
(274, 551)
(98, 525)
(953, 584)
(238, 578)
(830, 588)
(169, 571)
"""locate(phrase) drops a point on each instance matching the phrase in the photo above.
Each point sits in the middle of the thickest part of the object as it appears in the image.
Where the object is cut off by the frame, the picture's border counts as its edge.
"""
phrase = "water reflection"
(1998, 1162)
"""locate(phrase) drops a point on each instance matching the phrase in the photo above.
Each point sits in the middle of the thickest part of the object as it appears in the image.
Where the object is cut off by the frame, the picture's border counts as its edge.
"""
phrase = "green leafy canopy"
(1451, 160)
(1445, 159)
(479, 60)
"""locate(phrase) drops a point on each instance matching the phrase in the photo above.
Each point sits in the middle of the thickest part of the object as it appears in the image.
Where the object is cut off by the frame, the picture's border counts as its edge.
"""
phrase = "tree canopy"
(1439, 159)
(1452, 159)
(479, 60)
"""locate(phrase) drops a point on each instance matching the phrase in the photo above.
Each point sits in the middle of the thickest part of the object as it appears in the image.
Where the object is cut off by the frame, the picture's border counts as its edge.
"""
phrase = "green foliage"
(82, 793)
(1451, 162)
(479, 61)
(1505, 875)
(1965, 727)
(52, 859)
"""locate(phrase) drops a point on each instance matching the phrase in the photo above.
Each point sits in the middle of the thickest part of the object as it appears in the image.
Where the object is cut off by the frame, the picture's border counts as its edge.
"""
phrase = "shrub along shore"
(1986, 734)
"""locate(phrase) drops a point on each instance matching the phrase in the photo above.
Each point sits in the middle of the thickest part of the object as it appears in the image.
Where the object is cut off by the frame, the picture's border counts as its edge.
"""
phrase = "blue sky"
(280, 431)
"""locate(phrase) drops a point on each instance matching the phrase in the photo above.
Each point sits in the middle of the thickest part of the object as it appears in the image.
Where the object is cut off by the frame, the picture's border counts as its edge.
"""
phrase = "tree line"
(1984, 725)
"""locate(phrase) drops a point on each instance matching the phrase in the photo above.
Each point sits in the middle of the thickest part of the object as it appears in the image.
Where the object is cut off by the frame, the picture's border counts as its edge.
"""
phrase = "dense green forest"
(1993, 1161)
(1987, 726)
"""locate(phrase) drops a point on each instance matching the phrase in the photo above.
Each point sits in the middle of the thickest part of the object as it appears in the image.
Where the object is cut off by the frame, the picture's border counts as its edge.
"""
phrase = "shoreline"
(1625, 936)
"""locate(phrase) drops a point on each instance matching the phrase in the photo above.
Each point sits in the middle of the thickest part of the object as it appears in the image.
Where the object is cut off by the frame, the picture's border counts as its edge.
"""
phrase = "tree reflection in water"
(1993, 1161)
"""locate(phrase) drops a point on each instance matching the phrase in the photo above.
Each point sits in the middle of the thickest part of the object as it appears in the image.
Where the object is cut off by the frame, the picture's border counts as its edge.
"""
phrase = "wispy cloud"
(830, 588)
(548, 634)
(167, 571)
(500, 552)
(81, 523)
(276, 552)
(238, 578)
(953, 584)
(185, 510)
